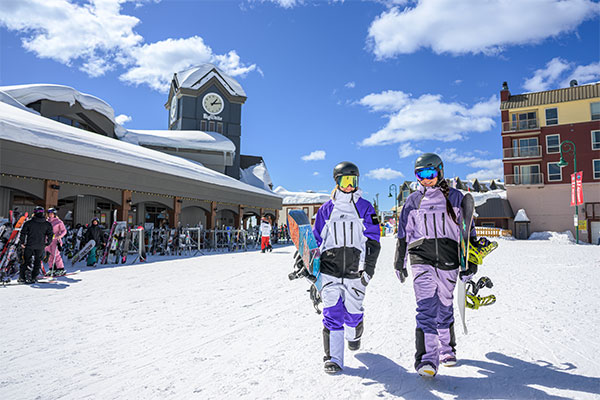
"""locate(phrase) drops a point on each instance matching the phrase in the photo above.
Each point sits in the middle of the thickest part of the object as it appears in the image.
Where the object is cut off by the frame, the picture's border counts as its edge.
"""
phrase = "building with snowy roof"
(308, 201)
(60, 147)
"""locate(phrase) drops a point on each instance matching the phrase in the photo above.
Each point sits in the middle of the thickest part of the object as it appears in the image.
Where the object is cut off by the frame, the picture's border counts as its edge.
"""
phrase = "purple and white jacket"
(427, 232)
(347, 232)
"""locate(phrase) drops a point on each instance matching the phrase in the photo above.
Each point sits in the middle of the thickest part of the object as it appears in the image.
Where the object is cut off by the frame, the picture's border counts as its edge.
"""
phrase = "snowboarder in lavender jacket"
(347, 231)
(429, 232)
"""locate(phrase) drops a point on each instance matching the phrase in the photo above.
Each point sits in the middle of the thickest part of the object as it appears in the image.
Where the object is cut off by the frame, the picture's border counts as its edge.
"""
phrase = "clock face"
(173, 108)
(213, 103)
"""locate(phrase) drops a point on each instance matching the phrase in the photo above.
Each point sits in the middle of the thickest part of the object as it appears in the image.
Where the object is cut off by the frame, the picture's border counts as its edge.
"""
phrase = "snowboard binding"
(473, 300)
(478, 251)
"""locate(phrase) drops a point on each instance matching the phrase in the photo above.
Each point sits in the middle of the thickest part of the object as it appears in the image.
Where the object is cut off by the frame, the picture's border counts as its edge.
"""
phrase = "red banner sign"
(573, 191)
(579, 187)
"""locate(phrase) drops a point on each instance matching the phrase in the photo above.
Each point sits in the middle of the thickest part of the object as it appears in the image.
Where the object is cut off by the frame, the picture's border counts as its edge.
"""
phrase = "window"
(553, 144)
(527, 147)
(203, 125)
(554, 172)
(551, 116)
(595, 108)
(527, 120)
(219, 127)
(596, 165)
(595, 140)
(527, 174)
(211, 126)
(488, 224)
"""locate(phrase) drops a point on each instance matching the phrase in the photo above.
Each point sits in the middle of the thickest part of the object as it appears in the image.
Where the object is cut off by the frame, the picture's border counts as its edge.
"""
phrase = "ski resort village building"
(308, 201)
(60, 147)
(535, 126)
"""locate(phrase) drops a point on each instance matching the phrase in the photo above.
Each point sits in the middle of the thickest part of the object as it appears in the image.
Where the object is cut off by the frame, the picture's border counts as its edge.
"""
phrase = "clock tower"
(204, 98)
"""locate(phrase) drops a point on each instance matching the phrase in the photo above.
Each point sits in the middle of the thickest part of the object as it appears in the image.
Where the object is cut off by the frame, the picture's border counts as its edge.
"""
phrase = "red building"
(534, 125)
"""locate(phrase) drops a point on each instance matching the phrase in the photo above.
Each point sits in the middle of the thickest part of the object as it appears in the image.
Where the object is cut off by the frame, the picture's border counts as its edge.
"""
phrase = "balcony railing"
(524, 179)
(522, 152)
(521, 125)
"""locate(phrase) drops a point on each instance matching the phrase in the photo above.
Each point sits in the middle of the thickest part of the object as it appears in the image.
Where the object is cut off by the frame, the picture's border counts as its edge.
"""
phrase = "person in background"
(94, 232)
(35, 235)
(265, 234)
(56, 266)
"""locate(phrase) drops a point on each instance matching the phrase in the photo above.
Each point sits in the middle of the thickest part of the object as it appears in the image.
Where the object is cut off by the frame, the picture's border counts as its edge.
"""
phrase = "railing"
(522, 152)
(521, 125)
(492, 232)
(524, 179)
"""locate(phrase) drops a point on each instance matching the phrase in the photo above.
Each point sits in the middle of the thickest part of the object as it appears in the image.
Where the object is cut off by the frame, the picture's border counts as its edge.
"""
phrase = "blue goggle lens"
(426, 173)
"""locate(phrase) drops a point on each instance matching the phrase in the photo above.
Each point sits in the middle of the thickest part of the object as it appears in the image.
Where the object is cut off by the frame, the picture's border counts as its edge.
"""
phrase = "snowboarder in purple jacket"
(428, 233)
(347, 231)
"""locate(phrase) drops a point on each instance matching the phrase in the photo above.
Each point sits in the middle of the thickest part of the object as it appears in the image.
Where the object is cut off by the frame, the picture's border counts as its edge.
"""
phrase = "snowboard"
(306, 243)
(83, 252)
(466, 224)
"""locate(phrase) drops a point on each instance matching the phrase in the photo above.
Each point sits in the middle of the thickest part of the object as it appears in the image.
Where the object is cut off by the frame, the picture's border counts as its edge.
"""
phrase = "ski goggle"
(347, 180)
(426, 173)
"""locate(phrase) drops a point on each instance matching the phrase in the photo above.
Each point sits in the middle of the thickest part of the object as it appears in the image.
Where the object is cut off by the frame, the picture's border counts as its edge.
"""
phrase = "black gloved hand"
(402, 274)
(59, 246)
(468, 273)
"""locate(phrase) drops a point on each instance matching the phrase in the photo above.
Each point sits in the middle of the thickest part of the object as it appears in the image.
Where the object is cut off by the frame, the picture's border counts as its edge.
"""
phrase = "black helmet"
(95, 219)
(431, 160)
(38, 210)
(345, 168)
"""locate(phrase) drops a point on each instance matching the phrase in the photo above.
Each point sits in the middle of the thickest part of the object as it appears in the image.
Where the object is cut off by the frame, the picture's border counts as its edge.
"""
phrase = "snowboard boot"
(427, 369)
(447, 360)
(331, 368)
(59, 272)
(22, 280)
(354, 345)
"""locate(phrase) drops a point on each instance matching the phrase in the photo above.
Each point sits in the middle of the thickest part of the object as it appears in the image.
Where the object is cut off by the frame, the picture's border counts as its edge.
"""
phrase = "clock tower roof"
(197, 76)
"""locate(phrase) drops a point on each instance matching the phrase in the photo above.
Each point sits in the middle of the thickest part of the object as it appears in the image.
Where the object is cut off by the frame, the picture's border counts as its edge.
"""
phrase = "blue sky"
(373, 82)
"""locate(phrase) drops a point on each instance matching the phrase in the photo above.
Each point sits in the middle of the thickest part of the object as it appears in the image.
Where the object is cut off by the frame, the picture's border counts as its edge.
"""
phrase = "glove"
(59, 246)
(364, 278)
(402, 274)
(466, 276)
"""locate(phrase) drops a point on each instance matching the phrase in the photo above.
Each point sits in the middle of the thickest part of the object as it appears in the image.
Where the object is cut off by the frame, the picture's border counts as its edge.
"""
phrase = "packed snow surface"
(230, 326)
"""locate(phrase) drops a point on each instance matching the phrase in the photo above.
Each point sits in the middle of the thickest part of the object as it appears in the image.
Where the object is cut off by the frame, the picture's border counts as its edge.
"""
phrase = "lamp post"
(395, 203)
(570, 146)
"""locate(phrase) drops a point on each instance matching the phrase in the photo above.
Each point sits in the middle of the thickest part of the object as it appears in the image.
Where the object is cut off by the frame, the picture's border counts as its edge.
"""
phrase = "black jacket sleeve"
(400, 254)
(373, 248)
(24, 233)
(49, 233)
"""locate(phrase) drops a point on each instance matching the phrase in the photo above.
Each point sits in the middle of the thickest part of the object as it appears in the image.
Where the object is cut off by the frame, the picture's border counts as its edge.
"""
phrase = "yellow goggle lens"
(348, 180)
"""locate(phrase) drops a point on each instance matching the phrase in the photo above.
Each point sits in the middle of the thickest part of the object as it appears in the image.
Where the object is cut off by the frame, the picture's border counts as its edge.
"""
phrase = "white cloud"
(542, 79)
(558, 73)
(95, 37)
(384, 174)
(474, 26)
(350, 85)
(314, 156)
(315, 173)
(490, 169)
(122, 119)
(407, 150)
(427, 118)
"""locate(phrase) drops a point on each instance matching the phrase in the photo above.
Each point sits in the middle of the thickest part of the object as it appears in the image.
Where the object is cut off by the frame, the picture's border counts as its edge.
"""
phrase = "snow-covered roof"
(196, 140)
(197, 76)
(257, 175)
(27, 94)
(8, 99)
(301, 197)
(521, 216)
(24, 127)
(482, 197)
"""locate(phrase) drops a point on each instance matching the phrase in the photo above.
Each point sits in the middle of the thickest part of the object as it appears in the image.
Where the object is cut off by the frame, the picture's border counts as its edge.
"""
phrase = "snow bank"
(308, 197)
(565, 237)
(21, 126)
(257, 175)
(196, 140)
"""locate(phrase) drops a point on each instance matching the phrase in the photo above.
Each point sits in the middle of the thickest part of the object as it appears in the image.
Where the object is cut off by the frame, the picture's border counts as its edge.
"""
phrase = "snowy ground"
(233, 326)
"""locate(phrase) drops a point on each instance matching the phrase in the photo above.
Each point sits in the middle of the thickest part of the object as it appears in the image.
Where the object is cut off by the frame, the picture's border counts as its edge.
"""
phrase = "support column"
(262, 213)
(240, 218)
(211, 223)
(50, 193)
(123, 210)
(175, 216)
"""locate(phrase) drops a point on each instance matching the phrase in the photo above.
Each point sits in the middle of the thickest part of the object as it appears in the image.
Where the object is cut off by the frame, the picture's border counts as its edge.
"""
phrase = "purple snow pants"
(435, 315)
